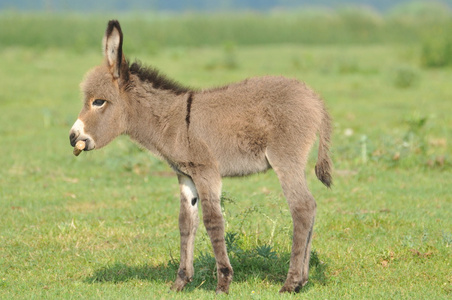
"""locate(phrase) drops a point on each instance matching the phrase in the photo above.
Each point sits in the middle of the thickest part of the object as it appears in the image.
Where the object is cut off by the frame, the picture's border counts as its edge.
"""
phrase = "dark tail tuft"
(323, 172)
(324, 165)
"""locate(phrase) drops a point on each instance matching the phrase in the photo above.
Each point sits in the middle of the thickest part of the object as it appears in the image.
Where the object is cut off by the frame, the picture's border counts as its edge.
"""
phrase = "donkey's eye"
(98, 102)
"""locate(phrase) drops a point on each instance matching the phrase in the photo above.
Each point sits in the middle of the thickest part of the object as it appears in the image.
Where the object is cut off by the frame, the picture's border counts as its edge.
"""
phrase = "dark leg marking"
(225, 271)
(307, 243)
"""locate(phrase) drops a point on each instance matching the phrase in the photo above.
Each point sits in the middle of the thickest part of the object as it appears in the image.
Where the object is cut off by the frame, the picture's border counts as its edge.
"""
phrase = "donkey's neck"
(157, 118)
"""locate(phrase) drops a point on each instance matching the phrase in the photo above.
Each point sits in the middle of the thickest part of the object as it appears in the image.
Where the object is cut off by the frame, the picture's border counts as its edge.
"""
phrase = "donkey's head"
(103, 116)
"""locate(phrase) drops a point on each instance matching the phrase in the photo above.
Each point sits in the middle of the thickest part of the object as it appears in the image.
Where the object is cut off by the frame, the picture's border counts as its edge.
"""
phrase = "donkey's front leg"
(188, 224)
(209, 188)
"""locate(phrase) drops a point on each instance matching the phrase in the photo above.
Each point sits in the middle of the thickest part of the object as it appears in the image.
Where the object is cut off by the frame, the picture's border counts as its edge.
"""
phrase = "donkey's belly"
(242, 165)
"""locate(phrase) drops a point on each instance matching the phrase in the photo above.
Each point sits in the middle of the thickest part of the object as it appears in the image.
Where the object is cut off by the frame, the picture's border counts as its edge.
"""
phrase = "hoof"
(220, 292)
(291, 288)
(178, 285)
(176, 288)
(223, 288)
(224, 280)
(181, 281)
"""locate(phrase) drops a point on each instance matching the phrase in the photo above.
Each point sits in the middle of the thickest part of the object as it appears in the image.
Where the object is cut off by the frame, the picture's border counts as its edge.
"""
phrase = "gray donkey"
(235, 130)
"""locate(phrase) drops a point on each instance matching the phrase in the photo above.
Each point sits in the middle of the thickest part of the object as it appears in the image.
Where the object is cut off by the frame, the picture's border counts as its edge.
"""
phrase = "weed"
(447, 238)
(266, 252)
(228, 60)
(415, 138)
(364, 152)
(405, 77)
(408, 241)
(205, 269)
(436, 51)
(257, 260)
(231, 242)
(348, 66)
(261, 262)
(230, 57)
(409, 147)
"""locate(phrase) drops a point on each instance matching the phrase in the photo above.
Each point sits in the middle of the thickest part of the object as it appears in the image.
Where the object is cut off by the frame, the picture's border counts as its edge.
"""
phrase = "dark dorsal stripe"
(158, 80)
(189, 102)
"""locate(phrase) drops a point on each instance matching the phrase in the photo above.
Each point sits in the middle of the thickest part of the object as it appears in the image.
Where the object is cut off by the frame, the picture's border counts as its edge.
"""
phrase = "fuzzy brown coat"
(204, 135)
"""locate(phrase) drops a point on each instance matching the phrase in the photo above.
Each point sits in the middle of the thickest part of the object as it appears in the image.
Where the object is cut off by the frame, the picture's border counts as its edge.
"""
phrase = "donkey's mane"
(157, 79)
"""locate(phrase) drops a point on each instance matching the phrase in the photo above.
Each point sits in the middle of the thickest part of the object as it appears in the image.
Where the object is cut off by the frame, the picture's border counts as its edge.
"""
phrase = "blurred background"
(383, 67)
(104, 225)
(195, 5)
(202, 22)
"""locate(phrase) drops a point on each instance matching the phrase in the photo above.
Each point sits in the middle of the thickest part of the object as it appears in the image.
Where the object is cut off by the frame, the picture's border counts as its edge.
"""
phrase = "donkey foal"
(204, 135)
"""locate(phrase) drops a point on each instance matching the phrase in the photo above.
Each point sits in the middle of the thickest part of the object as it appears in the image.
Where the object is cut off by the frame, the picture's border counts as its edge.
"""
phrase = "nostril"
(72, 138)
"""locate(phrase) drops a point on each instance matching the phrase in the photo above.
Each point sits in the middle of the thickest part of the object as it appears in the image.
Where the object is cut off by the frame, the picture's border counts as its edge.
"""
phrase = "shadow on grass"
(248, 265)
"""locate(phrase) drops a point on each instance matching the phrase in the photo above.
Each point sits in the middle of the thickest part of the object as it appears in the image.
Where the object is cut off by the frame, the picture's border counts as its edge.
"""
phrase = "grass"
(104, 225)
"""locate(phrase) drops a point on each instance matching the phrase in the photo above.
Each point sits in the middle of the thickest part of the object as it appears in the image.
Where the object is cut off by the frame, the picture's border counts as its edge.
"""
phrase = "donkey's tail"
(324, 164)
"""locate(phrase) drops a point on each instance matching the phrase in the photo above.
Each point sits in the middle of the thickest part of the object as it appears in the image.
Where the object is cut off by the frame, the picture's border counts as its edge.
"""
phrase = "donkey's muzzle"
(77, 133)
(74, 138)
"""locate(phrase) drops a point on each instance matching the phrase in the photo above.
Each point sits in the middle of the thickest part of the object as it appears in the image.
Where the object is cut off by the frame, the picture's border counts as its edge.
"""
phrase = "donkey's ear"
(112, 45)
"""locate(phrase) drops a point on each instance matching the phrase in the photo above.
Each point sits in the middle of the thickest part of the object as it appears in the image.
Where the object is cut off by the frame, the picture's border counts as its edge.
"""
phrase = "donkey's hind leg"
(302, 207)
(188, 224)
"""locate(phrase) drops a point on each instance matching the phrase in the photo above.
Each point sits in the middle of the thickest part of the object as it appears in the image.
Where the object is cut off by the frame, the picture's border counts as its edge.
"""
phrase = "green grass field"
(104, 225)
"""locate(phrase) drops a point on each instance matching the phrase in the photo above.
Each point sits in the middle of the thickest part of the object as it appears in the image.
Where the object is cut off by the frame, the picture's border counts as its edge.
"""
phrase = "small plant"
(261, 261)
(408, 241)
(228, 61)
(411, 147)
(447, 238)
(415, 137)
(266, 251)
(364, 152)
(230, 57)
(405, 77)
(3, 283)
(205, 269)
(436, 52)
(348, 66)
(231, 243)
